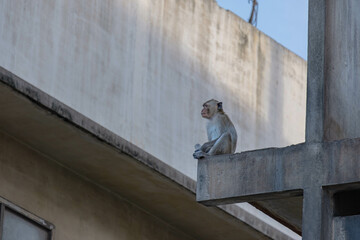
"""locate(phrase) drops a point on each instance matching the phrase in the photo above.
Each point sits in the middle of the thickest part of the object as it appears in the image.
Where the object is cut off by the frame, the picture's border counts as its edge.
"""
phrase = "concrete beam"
(277, 172)
(276, 178)
(249, 176)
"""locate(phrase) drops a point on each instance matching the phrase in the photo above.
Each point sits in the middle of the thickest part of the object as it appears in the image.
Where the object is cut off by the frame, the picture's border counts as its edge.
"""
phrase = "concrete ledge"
(109, 161)
(277, 172)
(269, 175)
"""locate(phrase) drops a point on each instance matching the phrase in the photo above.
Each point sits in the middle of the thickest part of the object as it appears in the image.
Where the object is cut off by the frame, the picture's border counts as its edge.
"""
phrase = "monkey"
(221, 132)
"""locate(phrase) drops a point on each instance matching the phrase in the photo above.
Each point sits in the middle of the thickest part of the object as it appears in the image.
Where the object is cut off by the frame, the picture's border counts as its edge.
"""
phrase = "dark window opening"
(347, 203)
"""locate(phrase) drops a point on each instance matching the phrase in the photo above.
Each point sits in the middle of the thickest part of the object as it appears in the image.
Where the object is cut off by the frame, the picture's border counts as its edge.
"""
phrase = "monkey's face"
(210, 108)
(206, 111)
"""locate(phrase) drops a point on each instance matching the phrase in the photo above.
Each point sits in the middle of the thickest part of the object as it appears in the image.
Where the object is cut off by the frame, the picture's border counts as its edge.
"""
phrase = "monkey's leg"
(208, 145)
(222, 145)
(204, 149)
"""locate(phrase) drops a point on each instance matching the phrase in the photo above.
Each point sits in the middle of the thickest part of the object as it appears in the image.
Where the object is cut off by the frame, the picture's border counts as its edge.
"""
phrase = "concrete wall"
(77, 208)
(143, 69)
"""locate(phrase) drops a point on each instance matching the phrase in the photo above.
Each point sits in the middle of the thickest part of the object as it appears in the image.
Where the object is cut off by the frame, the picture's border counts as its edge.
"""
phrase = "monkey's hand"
(198, 154)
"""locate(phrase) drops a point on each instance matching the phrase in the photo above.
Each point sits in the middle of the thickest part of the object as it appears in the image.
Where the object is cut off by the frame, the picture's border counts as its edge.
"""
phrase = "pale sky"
(283, 20)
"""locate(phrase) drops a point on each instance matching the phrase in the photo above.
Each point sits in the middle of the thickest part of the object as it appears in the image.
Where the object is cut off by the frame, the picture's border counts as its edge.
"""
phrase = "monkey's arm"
(208, 145)
(221, 145)
(202, 151)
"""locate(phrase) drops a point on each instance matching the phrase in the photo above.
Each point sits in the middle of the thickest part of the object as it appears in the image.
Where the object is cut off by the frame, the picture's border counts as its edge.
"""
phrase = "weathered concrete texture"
(337, 225)
(142, 69)
(283, 168)
(280, 173)
(104, 159)
(316, 72)
(333, 72)
(342, 98)
(346, 228)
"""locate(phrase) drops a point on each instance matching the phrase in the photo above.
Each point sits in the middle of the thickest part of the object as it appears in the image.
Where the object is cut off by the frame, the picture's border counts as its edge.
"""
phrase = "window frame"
(5, 204)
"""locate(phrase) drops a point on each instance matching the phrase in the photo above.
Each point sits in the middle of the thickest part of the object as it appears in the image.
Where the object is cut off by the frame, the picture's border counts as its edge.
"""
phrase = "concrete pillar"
(312, 214)
(333, 106)
(315, 76)
(342, 70)
(333, 97)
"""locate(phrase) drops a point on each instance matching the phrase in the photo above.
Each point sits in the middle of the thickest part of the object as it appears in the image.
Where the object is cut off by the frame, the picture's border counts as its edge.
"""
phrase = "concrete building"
(100, 106)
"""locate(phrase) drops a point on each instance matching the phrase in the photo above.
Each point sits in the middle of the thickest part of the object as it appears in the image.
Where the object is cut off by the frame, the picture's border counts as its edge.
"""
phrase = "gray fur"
(221, 133)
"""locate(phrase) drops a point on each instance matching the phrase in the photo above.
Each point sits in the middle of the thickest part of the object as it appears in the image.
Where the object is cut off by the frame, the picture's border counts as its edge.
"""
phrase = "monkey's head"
(210, 108)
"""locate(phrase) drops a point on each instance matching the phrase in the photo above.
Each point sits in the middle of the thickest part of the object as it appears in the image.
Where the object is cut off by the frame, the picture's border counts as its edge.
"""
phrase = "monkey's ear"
(219, 105)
